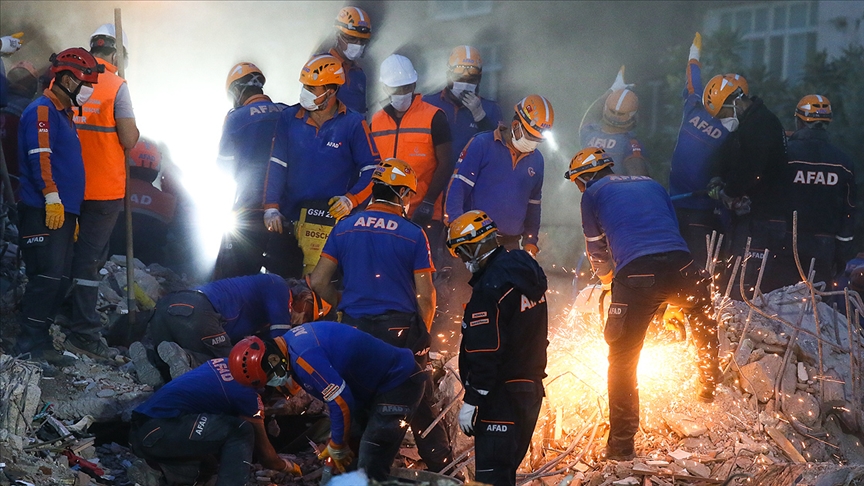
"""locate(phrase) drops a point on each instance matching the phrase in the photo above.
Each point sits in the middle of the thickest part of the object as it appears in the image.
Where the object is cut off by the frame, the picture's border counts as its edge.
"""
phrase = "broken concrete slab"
(684, 425)
(19, 394)
(758, 378)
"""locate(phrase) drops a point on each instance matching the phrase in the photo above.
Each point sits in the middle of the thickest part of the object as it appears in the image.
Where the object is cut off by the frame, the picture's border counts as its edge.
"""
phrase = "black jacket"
(504, 329)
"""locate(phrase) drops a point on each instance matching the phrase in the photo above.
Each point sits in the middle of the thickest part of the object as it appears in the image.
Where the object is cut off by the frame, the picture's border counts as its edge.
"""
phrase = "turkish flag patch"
(42, 126)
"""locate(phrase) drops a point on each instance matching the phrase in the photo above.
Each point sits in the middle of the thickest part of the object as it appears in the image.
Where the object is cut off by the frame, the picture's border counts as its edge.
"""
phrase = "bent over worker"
(634, 246)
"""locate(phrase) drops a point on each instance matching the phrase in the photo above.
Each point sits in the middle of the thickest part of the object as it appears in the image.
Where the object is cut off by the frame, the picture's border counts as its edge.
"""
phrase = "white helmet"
(397, 71)
(107, 30)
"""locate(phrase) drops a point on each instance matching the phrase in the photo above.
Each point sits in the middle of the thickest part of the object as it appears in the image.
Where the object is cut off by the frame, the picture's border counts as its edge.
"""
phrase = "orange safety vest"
(104, 158)
(411, 142)
(149, 201)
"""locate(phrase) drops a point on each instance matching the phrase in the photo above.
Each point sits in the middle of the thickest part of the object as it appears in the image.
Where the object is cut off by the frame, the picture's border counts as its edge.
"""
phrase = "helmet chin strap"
(474, 258)
(73, 96)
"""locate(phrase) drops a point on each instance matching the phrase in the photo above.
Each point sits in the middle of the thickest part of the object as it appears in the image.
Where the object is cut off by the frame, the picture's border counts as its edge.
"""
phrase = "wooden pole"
(127, 199)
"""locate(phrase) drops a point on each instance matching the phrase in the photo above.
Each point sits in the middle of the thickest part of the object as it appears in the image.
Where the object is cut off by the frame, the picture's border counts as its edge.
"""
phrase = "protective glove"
(341, 455)
(9, 44)
(273, 220)
(340, 206)
(619, 81)
(606, 281)
(291, 467)
(696, 47)
(423, 213)
(466, 418)
(741, 205)
(55, 213)
(715, 185)
(471, 101)
(531, 249)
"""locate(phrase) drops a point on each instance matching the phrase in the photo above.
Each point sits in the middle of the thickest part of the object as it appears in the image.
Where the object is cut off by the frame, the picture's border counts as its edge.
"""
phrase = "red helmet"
(79, 62)
(247, 360)
(146, 154)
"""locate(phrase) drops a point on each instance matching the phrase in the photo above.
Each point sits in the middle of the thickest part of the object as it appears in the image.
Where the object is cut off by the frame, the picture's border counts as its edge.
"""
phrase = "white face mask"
(307, 100)
(83, 95)
(730, 123)
(523, 144)
(354, 51)
(458, 88)
(278, 381)
(401, 102)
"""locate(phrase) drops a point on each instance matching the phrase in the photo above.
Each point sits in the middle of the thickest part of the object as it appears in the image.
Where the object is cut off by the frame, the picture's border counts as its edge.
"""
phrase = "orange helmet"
(620, 108)
(586, 161)
(146, 154)
(814, 108)
(395, 173)
(465, 61)
(719, 89)
(322, 70)
(741, 82)
(472, 227)
(27, 66)
(354, 22)
(249, 361)
(241, 70)
(79, 62)
(536, 114)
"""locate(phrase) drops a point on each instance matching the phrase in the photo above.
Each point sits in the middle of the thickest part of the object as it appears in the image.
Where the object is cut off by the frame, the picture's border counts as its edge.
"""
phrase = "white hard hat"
(397, 71)
(108, 31)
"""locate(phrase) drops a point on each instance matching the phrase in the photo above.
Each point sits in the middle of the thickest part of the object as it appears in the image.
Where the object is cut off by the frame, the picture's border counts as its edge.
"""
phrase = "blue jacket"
(247, 136)
(353, 92)
(461, 121)
(251, 304)
(49, 155)
(507, 187)
(619, 146)
(345, 368)
(699, 139)
(626, 217)
(312, 164)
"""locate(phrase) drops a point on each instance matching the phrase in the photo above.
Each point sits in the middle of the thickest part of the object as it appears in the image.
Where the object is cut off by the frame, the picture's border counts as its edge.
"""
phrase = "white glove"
(9, 44)
(471, 101)
(619, 81)
(696, 47)
(466, 418)
(340, 206)
(273, 220)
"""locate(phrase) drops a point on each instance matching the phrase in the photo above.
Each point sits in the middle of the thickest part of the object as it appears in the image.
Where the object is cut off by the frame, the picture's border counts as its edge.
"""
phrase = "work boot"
(706, 392)
(175, 357)
(147, 373)
(610, 454)
(48, 355)
(96, 349)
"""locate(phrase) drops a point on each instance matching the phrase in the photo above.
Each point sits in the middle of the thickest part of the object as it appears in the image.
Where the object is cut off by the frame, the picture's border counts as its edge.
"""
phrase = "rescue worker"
(361, 379)
(353, 32)
(52, 188)
(189, 327)
(699, 139)
(244, 152)
(417, 132)
(9, 44)
(106, 126)
(502, 356)
(819, 183)
(202, 417)
(610, 127)
(501, 173)
(388, 290)
(637, 251)
(321, 152)
(152, 209)
(22, 78)
(467, 112)
(751, 163)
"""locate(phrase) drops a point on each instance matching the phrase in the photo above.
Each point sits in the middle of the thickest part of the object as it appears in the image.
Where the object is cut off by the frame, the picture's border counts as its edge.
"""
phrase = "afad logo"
(531, 171)
(335, 145)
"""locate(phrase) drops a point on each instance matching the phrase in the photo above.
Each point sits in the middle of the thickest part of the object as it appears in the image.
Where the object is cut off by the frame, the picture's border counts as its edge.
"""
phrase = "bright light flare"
(212, 193)
(549, 137)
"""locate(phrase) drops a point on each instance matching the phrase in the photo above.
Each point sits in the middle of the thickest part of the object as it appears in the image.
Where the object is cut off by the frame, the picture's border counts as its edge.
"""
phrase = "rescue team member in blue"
(189, 327)
(467, 112)
(693, 160)
(387, 269)
(819, 183)
(244, 152)
(51, 191)
(205, 412)
(610, 129)
(353, 33)
(636, 250)
(321, 151)
(361, 379)
(502, 356)
(505, 162)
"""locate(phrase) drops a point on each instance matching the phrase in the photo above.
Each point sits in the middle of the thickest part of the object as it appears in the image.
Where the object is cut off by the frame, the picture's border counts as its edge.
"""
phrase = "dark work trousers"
(822, 247)
(408, 331)
(187, 318)
(180, 444)
(764, 233)
(48, 263)
(383, 425)
(695, 226)
(503, 428)
(242, 250)
(284, 257)
(638, 291)
(91, 251)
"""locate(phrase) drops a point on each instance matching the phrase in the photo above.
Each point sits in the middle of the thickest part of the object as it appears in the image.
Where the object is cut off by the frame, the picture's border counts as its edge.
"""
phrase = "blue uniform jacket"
(626, 217)
(209, 388)
(508, 188)
(699, 138)
(244, 150)
(619, 146)
(353, 92)
(461, 121)
(345, 368)
(49, 155)
(312, 164)
(251, 304)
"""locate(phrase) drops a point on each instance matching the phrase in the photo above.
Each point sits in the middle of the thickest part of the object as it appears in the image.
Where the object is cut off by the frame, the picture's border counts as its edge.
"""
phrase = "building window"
(458, 9)
(777, 35)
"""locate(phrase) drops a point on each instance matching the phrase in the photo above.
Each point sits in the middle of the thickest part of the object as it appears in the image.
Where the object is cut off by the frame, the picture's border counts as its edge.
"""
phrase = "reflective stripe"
(533, 201)
(595, 238)
(281, 326)
(85, 283)
(368, 167)
(620, 100)
(96, 128)
(463, 179)
(381, 133)
(283, 164)
(225, 157)
(38, 150)
(331, 391)
(844, 238)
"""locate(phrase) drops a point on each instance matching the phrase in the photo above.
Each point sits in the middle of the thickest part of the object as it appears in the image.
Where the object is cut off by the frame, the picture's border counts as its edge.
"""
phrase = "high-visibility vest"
(411, 142)
(104, 159)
